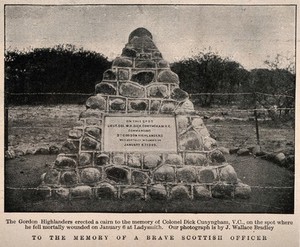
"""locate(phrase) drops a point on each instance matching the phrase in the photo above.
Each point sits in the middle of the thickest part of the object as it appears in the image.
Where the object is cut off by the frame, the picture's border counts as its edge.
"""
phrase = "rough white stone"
(164, 173)
(83, 191)
(180, 192)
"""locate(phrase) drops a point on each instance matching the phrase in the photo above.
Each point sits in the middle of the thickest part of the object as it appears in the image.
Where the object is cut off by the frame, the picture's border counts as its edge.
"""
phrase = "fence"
(218, 98)
(234, 115)
(45, 98)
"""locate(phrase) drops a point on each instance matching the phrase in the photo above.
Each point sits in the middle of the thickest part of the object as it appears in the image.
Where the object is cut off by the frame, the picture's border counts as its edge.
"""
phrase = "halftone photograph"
(150, 108)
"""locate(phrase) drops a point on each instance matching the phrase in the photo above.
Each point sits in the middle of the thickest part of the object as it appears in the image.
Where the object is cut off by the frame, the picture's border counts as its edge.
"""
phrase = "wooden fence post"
(256, 120)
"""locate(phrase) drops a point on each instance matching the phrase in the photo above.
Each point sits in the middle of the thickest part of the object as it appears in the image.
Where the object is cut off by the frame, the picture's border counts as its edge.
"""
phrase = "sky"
(246, 34)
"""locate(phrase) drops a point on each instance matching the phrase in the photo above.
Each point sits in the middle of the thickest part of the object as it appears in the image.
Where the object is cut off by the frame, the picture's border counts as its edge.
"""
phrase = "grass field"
(30, 127)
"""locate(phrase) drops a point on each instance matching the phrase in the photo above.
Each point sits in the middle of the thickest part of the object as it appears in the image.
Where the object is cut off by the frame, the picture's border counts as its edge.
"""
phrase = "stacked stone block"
(141, 83)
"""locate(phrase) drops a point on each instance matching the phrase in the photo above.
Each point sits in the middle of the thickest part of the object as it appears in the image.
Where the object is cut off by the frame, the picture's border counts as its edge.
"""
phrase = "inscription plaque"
(139, 134)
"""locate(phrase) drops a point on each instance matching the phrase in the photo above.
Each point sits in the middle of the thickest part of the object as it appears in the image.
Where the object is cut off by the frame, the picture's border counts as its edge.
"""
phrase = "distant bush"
(61, 69)
(67, 69)
(210, 73)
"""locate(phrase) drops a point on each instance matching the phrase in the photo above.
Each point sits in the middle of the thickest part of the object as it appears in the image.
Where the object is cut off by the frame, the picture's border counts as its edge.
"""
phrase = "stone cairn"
(141, 82)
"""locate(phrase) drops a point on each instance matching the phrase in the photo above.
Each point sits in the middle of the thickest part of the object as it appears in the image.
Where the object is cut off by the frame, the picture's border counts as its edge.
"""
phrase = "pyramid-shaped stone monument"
(140, 137)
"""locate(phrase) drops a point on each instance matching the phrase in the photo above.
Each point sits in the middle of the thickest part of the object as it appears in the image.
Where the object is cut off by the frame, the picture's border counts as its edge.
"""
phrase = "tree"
(281, 62)
(272, 87)
(61, 69)
(209, 73)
